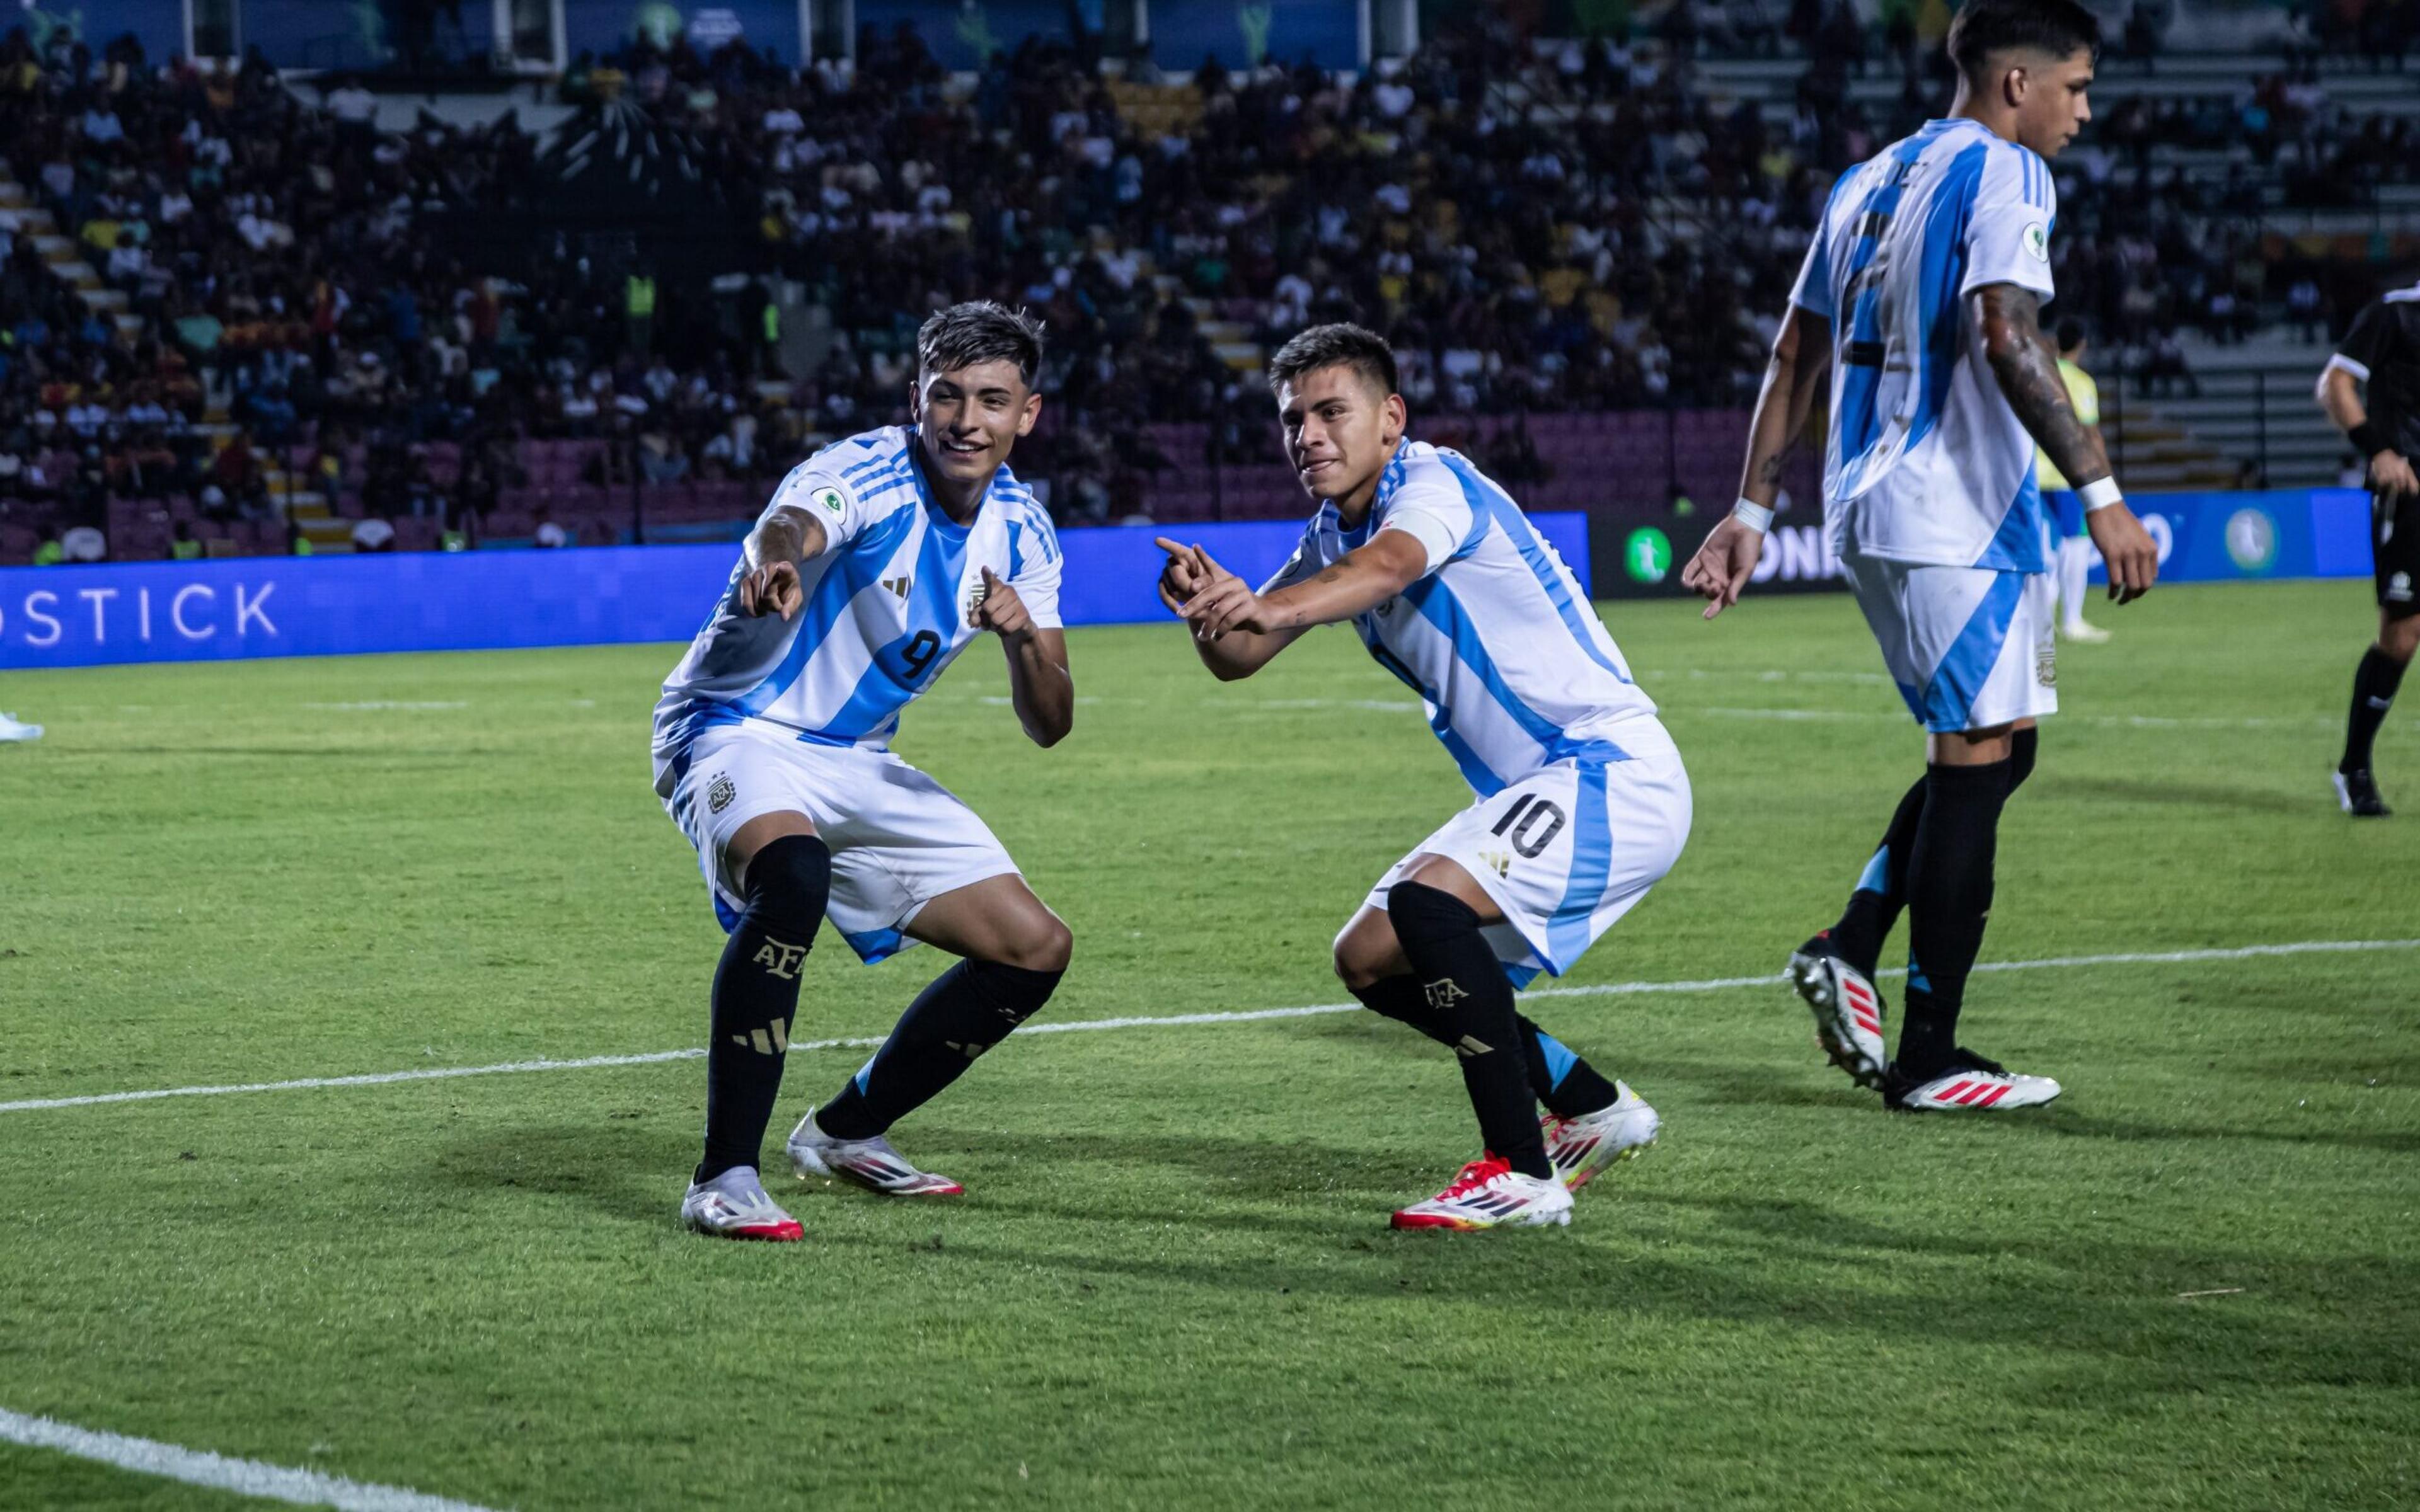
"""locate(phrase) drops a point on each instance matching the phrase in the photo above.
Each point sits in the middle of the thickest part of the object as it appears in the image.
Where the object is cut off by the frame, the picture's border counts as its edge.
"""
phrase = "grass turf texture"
(1171, 1285)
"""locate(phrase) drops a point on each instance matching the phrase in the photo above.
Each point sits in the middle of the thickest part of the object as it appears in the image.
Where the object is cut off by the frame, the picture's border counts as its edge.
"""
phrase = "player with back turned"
(1582, 804)
(879, 559)
(1921, 293)
(2371, 389)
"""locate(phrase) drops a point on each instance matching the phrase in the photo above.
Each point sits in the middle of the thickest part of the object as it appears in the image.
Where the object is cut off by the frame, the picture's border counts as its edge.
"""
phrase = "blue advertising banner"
(1246, 34)
(603, 26)
(2203, 537)
(158, 25)
(246, 607)
(963, 33)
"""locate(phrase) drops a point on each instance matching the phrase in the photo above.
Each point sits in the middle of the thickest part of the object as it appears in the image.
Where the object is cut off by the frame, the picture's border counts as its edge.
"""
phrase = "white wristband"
(1753, 515)
(2099, 494)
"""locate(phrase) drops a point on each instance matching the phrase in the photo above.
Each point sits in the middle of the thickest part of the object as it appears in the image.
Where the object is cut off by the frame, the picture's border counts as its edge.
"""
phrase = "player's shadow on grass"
(2068, 1118)
(2172, 791)
(1758, 1262)
(630, 1167)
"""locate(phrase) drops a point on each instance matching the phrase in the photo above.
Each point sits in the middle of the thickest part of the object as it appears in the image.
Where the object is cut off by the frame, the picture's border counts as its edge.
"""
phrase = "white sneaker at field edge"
(1489, 1193)
(871, 1164)
(1848, 1012)
(1582, 1147)
(734, 1206)
(1973, 1085)
(11, 728)
(2091, 635)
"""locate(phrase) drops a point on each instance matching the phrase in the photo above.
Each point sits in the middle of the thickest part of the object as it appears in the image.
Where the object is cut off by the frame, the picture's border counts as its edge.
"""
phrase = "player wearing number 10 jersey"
(877, 562)
(1581, 803)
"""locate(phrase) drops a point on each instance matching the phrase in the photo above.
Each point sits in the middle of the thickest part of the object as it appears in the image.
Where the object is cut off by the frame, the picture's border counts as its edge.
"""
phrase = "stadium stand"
(247, 311)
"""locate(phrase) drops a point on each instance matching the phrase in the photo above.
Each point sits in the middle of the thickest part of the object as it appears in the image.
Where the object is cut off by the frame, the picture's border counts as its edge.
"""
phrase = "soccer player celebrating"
(1924, 282)
(1582, 803)
(2074, 560)
(2381, 353)
(876, 563)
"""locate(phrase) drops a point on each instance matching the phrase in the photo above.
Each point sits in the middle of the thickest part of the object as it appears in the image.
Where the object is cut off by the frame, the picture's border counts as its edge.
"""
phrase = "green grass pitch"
(1171, 1285)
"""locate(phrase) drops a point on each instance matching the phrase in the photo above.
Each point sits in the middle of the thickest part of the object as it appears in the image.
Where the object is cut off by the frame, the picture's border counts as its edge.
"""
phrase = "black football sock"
(1569, 1085)
(1881, 888)
(961, 1013)
(1472, 1003)
(2373, 694)
(2023, 747)
(756, 996)
(1948, 898)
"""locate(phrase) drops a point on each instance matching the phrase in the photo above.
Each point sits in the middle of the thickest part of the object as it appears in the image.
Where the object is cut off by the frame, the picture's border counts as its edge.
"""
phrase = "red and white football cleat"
(1848, 1013)
(1582, 1147)
(1973, 1085)
(734, 1206)
(1487, 1194)
(871, 1164)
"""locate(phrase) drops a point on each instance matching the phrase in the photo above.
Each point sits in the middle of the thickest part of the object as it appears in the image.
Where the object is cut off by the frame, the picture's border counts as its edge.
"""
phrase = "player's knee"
(1362, 962)
(788, 882)
(1420, 912)
(1047, 946)
(1015, 993)
(2400, 638)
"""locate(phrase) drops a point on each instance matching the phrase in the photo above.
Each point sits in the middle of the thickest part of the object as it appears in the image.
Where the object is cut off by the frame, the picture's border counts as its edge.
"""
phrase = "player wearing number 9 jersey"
(879, 559)
(1581, 803)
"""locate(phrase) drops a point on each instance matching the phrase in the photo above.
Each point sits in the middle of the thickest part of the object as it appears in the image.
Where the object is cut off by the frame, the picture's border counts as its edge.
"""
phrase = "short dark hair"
(1338, 346)
(1983, 28)
(980, 331)
(2070, 334)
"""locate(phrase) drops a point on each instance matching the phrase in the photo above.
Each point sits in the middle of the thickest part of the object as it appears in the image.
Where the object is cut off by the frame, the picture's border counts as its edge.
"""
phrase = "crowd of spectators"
(1572, 225)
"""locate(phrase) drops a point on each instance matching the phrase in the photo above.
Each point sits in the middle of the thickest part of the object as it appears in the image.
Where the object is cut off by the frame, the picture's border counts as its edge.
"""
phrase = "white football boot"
(1580, 1148)
(1487, 1194)
(734, 1206)
(12, 730)
(872, 1164)
(1848, 1013)
(1972, 1085)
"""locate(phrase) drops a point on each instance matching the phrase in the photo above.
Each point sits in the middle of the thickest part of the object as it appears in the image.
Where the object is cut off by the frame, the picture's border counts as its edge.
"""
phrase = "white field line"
(197, 1467)
(2121, 721)
(1610, 989)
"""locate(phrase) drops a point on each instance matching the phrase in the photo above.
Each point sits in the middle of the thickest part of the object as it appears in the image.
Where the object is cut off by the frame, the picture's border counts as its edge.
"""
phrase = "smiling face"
(1340, 430)
(969, 417)
(2049, 96)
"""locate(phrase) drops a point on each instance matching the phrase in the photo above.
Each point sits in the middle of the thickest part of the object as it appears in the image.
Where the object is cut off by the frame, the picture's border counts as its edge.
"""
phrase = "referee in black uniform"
(2371, 389)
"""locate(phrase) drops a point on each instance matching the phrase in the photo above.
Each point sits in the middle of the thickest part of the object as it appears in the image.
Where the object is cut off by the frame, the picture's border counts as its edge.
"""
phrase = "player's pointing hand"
(1178, 581)
(1723, 565)
(771, 589)
(1000, 610)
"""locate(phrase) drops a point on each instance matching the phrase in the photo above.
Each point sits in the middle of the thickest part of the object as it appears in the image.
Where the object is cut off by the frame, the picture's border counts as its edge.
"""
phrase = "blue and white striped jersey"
(884, 610)
(1515, 668)
(1926, 463)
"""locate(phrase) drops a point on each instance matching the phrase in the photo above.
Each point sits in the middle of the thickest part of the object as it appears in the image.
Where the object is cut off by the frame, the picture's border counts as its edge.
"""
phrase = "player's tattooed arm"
(785, 537)
(2009, 318)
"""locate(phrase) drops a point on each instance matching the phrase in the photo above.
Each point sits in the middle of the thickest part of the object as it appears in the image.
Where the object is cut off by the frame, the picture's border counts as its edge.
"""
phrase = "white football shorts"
(1571, 847)
(1969, 647)
(899, 839)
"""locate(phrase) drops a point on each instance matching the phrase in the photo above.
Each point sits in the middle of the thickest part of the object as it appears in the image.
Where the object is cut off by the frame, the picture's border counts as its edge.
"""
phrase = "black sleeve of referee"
(2372, 339)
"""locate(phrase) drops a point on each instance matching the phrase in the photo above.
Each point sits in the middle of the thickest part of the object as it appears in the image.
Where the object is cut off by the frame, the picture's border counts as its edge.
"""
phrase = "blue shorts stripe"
(1567, 932)
(1949, 697)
